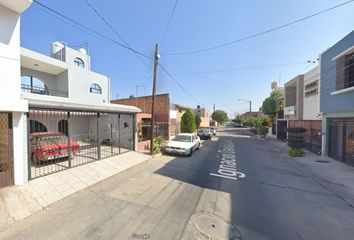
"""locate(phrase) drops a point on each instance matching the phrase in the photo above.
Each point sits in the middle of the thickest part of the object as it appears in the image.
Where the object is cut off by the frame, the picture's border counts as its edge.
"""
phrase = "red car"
(50, 145)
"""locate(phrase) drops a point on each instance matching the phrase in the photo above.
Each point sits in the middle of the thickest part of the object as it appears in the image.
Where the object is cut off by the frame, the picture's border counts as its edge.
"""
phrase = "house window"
(349, 71)
(33, 85)
(311, 89)
(36, 126)
(95, 88)
(345, 72)
(79, 62)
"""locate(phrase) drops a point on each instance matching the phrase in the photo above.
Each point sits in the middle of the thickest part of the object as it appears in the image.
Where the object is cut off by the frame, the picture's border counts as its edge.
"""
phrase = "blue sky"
(279, 55)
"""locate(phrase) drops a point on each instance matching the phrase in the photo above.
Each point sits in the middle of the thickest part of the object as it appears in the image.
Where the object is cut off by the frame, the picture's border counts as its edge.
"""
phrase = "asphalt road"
(236, 180)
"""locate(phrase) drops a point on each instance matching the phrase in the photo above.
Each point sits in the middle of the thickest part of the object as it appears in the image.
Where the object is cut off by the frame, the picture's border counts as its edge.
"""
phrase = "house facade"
(55, 113)
(70, 104)
(204, 116)
(337, 100)
(309, 116)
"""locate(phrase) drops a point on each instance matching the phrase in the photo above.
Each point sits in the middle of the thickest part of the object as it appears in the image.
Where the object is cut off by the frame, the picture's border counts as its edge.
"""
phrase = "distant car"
(213, 130)
(205, 133)
(183, 144)
(47, 146)
(238, 125)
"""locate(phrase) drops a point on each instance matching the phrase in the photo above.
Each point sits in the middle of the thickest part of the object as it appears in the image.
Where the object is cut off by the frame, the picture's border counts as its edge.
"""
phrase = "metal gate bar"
(61, 139)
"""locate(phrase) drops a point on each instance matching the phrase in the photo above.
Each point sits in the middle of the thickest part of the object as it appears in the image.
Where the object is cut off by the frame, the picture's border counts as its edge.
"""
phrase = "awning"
(80, 106)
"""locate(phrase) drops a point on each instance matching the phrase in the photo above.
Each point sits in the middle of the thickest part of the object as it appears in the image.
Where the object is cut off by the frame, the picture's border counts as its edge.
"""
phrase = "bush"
(188, 122)
(296, 137)
(296, 130)
(296, 152)
(158, 144)
(263, 130)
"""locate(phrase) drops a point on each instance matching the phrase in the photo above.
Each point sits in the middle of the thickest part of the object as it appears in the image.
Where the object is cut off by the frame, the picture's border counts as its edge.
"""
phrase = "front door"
(6, 153)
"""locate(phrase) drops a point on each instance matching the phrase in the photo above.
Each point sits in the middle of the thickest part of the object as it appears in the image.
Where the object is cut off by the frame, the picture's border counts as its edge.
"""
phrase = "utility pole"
(246, 100)
(156, 62)
(214, 108)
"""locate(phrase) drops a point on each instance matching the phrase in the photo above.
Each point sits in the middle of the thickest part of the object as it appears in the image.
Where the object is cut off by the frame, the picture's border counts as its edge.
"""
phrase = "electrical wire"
(114, 30)
(180, 85)
(260, 33)
(169, 22)
(88, 29)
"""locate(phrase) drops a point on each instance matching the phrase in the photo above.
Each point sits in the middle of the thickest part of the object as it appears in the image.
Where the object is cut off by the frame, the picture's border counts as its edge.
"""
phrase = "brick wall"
(162, 105)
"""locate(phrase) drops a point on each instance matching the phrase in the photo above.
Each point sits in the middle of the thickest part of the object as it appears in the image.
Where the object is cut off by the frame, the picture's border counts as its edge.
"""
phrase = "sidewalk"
(331, 174)
(19, 202)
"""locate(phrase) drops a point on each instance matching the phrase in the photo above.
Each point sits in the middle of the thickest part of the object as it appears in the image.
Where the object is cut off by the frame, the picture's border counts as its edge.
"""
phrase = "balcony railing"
(43, 91)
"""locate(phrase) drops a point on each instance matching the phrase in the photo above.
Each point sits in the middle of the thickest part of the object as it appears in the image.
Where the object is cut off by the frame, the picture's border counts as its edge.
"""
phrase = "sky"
(222, 76)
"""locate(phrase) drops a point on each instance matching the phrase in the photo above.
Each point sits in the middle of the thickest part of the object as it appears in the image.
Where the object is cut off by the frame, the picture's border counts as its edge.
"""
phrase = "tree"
(198, 120)
(220, 116)
(269, 105)
(188, 122)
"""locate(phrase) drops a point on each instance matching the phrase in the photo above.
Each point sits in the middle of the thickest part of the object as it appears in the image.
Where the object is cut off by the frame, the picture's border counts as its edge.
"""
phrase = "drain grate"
(209, 226)
(322, 161)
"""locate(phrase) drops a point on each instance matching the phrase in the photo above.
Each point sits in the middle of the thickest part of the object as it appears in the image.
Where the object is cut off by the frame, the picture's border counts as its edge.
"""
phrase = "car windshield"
(204, 130)
(182, 138)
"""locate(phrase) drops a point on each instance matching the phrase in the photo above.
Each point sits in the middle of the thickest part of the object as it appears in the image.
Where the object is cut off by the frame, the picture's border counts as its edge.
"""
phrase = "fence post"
(134, 131)
(69, 145)
(29, 155)
(119, 132)
(111, 141)
(98, 137)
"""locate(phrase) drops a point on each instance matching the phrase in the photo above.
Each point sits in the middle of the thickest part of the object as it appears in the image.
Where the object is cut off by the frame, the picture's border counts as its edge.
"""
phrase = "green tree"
(198, 120)
(188, 122)
(269, 105)
(220, 116)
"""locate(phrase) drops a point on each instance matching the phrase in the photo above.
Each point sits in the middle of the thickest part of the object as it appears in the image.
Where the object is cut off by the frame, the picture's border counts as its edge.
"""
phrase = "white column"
(19, 121)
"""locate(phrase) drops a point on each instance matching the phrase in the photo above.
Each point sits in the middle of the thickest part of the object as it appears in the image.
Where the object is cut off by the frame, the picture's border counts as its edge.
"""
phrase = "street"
(237, 186)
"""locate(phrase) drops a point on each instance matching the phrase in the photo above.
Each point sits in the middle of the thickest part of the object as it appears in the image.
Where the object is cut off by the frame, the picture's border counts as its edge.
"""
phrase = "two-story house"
(337, 100)
(204, 116)
(301, 107)
(55, 113)
(69, 102)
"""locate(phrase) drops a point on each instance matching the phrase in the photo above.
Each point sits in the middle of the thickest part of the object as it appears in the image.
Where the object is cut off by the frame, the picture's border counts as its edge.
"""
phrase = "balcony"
(43, 91)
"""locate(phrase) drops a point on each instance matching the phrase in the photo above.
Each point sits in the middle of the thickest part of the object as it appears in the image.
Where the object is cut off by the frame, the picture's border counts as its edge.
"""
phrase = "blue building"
(337, 100)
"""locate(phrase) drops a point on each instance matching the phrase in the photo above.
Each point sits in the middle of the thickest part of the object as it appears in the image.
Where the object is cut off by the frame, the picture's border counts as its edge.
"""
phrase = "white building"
(54, 100)
(311, 110)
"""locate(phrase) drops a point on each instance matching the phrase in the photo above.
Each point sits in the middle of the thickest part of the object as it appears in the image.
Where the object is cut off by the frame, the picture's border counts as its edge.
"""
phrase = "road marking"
(227, 168)
(238, 174)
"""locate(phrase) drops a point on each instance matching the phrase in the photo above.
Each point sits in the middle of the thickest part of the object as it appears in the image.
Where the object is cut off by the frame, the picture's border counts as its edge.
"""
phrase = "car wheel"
(190, 152)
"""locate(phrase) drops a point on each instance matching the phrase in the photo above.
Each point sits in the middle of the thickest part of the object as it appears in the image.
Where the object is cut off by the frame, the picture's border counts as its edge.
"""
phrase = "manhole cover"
(212, 227)
(322, 161)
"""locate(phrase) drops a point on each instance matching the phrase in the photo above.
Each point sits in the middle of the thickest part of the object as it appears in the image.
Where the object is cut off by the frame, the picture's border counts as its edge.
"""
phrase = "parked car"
(213, 130)
(183, 144)
(205, 133)
(47, 146)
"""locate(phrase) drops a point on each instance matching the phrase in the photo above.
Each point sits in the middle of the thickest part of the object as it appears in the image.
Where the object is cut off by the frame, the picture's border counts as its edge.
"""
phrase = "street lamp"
(245, 100)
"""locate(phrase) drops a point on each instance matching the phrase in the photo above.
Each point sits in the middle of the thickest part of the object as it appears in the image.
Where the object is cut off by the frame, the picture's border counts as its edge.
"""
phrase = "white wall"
(10, 61)
(80, 79)
(19, 121)
(311, 103)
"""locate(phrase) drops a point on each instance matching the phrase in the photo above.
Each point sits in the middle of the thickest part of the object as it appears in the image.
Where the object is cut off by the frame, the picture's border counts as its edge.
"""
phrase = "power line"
(90, 30)
(114, 30)
(169, 21)
(260, 33)
(175, 80)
